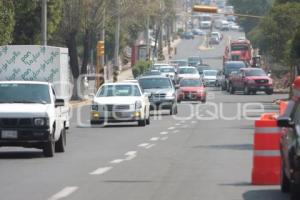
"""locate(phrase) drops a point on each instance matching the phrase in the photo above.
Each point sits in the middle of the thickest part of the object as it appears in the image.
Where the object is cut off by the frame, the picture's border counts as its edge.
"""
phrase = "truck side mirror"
(59, 103)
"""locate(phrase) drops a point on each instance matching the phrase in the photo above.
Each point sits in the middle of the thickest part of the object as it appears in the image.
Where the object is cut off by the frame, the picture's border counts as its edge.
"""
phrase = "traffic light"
(100, 48)
(205, 9)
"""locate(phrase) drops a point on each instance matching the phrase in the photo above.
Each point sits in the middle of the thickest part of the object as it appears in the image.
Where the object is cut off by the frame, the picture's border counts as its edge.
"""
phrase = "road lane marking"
(116, 161)
(171, 128)
(101, 170)
(64, 193)
(130, 155)
(178, 124)
(143, 144)
(150, 146)
(164, 138)
(154, 139)
(163, 133)
(175, 131)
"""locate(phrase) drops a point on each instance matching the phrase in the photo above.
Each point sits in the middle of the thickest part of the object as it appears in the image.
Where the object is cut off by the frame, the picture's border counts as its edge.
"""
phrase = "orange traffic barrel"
(282, 107)
(266, 155)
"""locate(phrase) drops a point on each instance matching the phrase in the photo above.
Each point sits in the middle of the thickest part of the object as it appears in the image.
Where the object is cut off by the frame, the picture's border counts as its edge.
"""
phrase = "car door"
(58, 117)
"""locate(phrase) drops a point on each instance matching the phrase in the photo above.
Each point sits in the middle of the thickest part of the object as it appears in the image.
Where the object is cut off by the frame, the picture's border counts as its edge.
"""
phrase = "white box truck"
(35, 89)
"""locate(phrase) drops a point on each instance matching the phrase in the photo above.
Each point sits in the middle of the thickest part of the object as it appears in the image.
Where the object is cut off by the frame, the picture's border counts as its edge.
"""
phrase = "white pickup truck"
(35, 90)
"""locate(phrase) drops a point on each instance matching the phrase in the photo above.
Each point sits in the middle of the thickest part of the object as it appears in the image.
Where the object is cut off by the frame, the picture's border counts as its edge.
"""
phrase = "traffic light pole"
(117, 44)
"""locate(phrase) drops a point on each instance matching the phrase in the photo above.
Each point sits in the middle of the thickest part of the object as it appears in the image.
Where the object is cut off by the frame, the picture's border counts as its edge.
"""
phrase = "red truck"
(240, 50)
(250, 80)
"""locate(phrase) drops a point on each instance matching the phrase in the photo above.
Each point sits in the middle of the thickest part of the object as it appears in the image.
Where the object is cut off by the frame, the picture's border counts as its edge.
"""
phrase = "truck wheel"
(284, 181)
(246, 90)
(60, 145)
(48, 149)
(268, 92)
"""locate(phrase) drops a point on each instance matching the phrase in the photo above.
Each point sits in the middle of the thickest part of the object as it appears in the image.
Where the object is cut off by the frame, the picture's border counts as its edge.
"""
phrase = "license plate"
(124, 114)
(8, 134)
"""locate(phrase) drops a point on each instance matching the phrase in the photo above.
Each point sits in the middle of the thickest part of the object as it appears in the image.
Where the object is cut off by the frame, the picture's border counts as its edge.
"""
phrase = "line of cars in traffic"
(161, 88)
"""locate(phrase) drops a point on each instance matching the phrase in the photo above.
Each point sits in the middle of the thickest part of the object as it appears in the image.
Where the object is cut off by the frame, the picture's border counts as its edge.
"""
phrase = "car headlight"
(41, 122)
(138, 105)
(170, 94)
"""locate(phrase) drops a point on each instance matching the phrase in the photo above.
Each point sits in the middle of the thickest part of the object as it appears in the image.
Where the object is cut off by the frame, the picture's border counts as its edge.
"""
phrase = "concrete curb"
(76, 104)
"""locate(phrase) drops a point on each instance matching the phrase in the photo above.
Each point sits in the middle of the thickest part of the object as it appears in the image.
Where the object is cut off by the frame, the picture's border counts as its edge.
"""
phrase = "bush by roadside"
(140, 67)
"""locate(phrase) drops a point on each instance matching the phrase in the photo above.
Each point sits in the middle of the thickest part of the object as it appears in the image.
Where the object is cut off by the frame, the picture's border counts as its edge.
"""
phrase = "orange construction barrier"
(282, 106)
(266, 158)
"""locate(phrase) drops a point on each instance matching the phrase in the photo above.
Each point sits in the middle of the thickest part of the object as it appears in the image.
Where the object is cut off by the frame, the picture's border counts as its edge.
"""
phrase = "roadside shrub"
(136, 72)
(140, 67)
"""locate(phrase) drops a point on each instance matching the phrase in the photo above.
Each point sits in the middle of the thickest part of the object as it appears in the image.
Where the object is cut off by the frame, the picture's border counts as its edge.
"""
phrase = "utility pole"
(117, 43)
(147, 35)
(102, 38)
(44, 22)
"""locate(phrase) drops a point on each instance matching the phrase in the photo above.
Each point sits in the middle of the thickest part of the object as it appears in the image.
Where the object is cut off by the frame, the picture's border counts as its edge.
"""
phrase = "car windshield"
(166, 70)
(153, 83)
(190, 83)
(187, 71)
(24, 93)
(179, 62)
(210, 73)
(257, 72)
(119, 90)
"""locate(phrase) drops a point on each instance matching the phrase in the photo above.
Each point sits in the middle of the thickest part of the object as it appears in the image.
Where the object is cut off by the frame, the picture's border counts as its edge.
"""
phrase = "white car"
(157, 66)
(209, 77)
(187, 72)
(120, 102)
(217, 34)
(168, 71)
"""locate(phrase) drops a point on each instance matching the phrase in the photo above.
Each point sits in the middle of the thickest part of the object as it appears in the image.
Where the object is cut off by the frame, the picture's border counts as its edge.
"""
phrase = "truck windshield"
(24, 93)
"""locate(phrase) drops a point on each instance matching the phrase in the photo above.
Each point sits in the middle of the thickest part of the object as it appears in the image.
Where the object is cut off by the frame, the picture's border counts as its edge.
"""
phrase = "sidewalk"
(174, 44)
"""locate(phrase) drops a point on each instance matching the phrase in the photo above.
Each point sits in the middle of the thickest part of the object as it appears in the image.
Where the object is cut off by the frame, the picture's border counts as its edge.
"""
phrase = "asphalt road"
(196, 155)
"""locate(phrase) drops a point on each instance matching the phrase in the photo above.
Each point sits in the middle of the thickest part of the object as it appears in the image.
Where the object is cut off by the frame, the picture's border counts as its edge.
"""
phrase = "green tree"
(251, 7)
(6, 21)
(27, 29)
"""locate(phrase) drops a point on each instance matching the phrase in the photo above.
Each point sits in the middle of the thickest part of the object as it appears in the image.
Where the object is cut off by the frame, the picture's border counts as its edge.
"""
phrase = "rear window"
(155, 83)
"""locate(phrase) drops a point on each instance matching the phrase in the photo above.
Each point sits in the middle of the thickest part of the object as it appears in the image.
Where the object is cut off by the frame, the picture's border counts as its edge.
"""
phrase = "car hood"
(189, 76)
(16, 110)
(159, 91)
(191, 89)
(209, 77)
(116, 100)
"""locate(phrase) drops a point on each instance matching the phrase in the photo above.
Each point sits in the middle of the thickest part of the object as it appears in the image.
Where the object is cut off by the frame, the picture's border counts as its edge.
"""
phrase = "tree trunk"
(72, 46)
(86, 51)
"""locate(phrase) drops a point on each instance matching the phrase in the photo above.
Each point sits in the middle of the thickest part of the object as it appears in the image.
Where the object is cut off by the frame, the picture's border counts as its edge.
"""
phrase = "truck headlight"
(170, 94)
(138, 105)
(41, 122)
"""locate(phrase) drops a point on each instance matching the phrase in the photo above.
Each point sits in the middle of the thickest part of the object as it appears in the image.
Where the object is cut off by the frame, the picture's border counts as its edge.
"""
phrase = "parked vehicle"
(187, 35)
(120, 102)
(191, 90)
(35, 92)
(161, 92)
(251, 80)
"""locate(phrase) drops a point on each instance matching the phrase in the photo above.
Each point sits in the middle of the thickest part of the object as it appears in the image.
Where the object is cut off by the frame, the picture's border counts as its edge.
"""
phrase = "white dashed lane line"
(116, 161)
(164, 133)
(154, 139)
(150, 146)
(171, 128)
(64, 193)
(130, 155)
(101, 171)
(143, 144)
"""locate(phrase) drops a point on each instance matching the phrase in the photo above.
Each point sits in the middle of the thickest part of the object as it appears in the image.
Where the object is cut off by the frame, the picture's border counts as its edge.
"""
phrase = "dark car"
(187, 35)
(161, 91)
(290, 150)
(195, 61)
(203, 67)
(229, 67)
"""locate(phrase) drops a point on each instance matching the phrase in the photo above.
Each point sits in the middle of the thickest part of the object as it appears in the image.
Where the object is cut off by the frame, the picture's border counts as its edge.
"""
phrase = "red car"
(191, 89)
